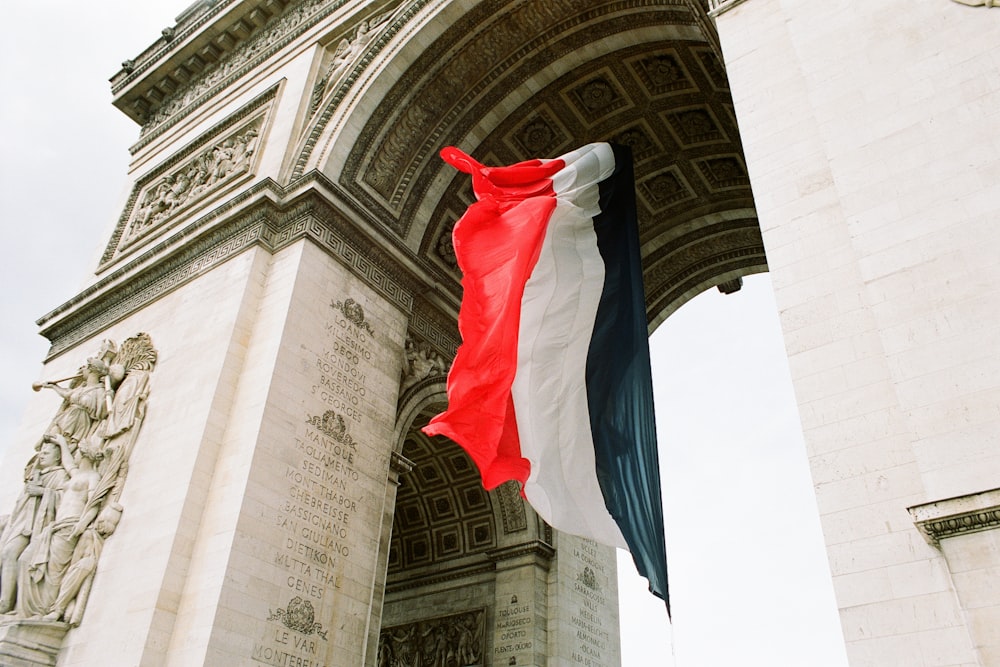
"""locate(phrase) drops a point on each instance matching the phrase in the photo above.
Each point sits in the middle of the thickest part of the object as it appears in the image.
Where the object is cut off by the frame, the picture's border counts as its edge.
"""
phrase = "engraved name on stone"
(343, 367)
(512, 630)
(592, 637)
(317, 515)
(298, 644)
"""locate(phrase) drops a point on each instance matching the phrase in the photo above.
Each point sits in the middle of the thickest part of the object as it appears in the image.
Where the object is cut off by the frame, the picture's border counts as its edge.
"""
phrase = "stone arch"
(515, 79)
(448, 533)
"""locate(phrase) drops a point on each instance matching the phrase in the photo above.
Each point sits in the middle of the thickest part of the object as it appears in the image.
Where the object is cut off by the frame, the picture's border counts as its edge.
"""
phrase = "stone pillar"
(966, 529)
(520, 626)
(289, 546)
(398, 465)
(583, 606)
(868, 132)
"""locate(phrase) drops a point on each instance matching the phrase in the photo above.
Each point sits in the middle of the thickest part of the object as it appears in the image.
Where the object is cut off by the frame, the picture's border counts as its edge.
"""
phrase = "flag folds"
(552, 384)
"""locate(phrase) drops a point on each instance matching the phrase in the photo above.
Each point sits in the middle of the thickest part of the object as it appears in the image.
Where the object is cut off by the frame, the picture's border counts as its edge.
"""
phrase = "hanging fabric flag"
(552, 384)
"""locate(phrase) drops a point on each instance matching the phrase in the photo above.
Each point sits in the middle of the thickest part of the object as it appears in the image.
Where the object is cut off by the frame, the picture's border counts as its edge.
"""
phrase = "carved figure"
(420, 362)
(47, 557)
(74, 590)
(444, 642)
(84, 405)
(209, 166)
(52, 542)
(33, 511)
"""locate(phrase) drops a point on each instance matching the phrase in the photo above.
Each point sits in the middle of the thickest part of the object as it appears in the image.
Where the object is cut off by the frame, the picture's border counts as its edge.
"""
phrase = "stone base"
(30, 643)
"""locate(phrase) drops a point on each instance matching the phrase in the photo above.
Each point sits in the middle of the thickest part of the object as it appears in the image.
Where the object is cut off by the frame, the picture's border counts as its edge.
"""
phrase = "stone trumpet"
(37, 386)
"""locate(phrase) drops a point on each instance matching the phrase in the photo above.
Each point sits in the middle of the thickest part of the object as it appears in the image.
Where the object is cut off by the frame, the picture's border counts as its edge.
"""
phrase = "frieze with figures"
(458, 639)
(220, 162)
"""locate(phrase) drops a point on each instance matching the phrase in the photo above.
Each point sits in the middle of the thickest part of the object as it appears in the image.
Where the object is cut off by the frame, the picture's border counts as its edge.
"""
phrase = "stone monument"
(253, 489)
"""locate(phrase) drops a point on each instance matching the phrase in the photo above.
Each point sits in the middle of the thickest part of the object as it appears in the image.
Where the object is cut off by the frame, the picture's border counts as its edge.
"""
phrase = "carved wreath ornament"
(332, 425)
(299, 616)
(353, 313)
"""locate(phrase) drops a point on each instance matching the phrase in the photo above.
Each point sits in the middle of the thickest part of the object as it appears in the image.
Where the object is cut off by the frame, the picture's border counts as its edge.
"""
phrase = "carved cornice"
(142, 193)
(717, 7)
(399, 464)
(187, 24)
(169, 81)
(962, 515)
(265, 215)
(536, 548)
(435, 574)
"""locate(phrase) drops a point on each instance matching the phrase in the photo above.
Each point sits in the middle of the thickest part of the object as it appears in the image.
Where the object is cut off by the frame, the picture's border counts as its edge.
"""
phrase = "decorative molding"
(412, 578)
(204, 166)
(265, 215)
(544, 552)
(336, 92)
(962, 515)
(512, 511)
(265, 42)
(719, 7)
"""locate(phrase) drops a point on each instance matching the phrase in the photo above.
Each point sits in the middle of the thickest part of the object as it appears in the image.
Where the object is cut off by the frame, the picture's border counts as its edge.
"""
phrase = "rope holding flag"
(552, 384)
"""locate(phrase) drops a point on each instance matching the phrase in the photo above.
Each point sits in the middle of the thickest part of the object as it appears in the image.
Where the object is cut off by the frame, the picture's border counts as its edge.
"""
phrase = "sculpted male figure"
(34, 510)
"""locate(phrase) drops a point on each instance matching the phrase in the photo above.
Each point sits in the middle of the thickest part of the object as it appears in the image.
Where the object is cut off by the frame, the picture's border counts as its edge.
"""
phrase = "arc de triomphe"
(280, 290)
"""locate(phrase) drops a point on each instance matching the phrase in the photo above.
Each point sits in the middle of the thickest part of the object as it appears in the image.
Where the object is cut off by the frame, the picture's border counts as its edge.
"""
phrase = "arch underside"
(444, 515)
(509, 81)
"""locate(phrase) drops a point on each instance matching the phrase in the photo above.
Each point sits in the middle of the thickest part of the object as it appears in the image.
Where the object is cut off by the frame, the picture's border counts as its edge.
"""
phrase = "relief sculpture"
(211, 166)
(420, 361)
(52, 540)
(453, 641)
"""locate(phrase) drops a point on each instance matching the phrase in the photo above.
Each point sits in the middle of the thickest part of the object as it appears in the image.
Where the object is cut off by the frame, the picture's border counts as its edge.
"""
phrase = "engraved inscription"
(512, 631)
(317, 515)
(587, 619)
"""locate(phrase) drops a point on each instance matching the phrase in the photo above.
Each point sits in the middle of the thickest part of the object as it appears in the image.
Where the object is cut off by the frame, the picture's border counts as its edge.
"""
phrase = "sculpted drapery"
(52, 540)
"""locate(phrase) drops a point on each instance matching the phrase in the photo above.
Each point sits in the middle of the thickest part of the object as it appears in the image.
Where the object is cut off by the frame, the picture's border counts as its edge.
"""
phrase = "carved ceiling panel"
(442, 510)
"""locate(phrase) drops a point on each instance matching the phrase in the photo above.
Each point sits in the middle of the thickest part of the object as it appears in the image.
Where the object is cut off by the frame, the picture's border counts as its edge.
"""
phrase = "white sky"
(748, 570)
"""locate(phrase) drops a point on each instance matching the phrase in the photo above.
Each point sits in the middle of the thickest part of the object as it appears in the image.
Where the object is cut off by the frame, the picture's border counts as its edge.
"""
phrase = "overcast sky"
(748, 570)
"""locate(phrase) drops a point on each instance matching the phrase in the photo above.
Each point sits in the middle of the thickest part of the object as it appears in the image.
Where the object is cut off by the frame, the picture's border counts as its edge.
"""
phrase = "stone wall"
(870, 136)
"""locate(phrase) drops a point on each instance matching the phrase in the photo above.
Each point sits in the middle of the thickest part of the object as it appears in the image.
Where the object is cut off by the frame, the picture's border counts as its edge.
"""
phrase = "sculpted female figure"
(47, 557)
(84, 404)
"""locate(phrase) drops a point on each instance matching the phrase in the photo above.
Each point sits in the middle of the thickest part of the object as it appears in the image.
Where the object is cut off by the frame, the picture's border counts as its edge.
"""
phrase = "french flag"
(552, 383)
